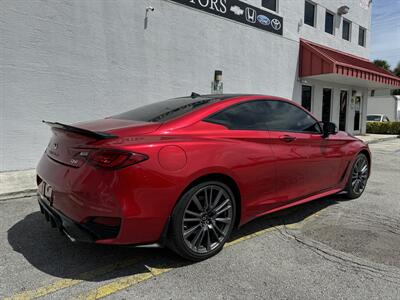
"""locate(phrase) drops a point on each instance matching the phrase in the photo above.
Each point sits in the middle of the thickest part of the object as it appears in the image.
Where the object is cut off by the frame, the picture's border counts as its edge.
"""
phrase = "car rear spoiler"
(94, 134)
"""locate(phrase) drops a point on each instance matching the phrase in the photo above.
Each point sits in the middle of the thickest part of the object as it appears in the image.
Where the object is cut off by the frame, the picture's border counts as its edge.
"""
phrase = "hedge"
(383, 127)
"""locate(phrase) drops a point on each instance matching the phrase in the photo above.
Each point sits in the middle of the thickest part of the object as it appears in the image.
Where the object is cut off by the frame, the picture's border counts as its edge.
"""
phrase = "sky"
(385, 37)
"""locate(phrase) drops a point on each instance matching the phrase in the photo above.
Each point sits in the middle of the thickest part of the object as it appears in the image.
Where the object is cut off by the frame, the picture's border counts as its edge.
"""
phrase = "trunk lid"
(119, 127)
(69, 143)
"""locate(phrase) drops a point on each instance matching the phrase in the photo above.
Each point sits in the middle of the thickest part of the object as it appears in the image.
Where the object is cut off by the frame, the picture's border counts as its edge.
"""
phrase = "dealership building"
(70, 61)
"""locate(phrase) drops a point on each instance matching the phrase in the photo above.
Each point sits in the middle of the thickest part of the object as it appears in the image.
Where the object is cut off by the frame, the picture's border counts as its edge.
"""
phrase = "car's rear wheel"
(202, 220)
(358, 177)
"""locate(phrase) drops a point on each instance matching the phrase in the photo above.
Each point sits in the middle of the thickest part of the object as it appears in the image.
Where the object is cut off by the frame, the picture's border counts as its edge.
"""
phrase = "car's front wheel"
(202, 220)
(358, 177)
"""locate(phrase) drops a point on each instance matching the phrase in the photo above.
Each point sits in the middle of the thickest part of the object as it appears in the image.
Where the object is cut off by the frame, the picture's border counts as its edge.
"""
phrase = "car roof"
(221, 101)
(195, 96)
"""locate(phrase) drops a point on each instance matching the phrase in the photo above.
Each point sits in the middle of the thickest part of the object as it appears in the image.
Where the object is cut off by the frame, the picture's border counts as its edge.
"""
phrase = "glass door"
(343, 110)
(306, 96)
(326, 105)
(357, 113)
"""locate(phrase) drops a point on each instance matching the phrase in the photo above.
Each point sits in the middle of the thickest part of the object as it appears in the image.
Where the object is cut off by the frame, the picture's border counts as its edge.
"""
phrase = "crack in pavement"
(345, 260)
(387, 223)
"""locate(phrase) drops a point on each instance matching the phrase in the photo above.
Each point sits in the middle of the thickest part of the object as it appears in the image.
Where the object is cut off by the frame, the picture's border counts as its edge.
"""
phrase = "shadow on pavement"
(50, 252)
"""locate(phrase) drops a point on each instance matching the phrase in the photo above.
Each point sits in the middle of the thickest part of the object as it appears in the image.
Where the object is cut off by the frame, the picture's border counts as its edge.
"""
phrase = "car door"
(250, 153)
(306, 162)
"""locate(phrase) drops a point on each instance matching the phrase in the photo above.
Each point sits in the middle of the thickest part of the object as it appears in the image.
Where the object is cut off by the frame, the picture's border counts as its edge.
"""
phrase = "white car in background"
(377, 118)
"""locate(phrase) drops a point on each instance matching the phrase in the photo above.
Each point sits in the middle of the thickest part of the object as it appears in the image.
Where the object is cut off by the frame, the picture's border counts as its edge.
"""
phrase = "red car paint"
(270, 173)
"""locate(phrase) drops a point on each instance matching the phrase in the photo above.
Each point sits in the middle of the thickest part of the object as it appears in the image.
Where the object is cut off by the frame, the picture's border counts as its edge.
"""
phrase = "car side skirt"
(298, 202)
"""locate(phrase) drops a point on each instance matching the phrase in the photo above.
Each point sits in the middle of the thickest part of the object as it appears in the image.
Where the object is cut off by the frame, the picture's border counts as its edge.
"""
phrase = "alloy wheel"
(207, 219)
(359, 175)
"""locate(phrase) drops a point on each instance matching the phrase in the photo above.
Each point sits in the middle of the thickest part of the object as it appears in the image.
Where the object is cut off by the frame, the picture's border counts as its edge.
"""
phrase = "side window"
(265, 115)
(250, 115)
(288, 117)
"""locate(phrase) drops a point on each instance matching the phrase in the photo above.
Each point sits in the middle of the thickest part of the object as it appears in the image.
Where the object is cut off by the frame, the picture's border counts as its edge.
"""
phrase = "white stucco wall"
(357, 16)
(77, 60)
(384, 105)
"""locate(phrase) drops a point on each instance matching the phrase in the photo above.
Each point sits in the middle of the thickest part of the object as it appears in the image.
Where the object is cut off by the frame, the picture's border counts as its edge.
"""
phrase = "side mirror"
(328, 128)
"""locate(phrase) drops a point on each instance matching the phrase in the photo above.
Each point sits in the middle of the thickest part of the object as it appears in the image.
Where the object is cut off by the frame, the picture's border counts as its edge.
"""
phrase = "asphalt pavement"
(331, 248)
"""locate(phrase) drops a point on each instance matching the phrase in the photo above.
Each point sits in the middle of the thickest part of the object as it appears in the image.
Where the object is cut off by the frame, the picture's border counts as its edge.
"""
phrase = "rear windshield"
(165, 110)
(373, 118)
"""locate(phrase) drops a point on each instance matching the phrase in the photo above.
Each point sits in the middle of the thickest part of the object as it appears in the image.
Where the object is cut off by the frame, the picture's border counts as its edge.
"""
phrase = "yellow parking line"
(127, 281)
(250, 236)
(67, 283)
(121, 284)
(115, 286)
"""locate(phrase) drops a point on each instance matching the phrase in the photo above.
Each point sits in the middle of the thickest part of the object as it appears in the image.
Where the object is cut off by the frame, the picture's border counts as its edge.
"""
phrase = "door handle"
(287, 138)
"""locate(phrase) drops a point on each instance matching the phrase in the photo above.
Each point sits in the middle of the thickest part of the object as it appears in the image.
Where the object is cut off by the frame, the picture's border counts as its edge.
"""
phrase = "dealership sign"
(240, 12)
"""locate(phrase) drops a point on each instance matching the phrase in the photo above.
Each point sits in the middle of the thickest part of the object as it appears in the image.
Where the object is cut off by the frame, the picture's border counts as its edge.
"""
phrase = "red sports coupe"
(185, 172)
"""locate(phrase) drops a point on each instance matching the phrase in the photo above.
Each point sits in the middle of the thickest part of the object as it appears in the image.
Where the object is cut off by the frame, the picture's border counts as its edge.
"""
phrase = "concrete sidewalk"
(17, 184)
(376, 138)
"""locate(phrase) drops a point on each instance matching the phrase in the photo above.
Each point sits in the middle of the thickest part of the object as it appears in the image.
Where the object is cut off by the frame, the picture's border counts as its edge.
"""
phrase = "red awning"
(323, 63)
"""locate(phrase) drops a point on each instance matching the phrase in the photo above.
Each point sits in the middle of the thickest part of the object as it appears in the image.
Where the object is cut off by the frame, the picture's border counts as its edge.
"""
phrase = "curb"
(17, 195)
(383, 139)
(17, 184)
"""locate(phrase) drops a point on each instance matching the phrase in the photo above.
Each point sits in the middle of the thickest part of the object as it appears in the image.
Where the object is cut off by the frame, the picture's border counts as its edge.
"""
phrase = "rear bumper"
(140, 198)
(88, 232)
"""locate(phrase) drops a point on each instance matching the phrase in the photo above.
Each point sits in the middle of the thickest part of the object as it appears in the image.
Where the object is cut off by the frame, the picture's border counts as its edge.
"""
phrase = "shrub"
(383, 127)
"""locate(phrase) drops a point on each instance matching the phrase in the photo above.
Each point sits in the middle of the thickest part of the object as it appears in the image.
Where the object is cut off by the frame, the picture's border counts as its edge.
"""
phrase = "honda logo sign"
(251, 15)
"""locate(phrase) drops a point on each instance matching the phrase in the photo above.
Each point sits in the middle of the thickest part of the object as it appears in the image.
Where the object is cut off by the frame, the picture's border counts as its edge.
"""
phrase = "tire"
(200, 228)
(358, 177)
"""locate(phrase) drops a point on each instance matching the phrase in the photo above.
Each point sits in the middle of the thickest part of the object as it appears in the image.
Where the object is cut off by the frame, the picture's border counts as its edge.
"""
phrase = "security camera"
(151, 8)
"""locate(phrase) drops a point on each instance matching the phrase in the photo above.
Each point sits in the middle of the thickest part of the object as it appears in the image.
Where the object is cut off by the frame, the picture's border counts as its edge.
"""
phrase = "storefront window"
(309, 13)
(270, 4)
(306, 97)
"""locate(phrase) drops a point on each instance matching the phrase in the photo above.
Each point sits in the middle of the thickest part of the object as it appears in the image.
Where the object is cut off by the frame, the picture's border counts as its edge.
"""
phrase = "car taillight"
(113, 159)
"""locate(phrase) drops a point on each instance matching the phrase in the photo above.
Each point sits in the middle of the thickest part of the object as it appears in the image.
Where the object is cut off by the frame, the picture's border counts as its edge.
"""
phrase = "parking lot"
(330, 248)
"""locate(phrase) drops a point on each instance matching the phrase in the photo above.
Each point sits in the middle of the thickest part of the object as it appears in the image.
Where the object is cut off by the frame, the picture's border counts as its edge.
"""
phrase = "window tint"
(306, 97)
(288, 117)
(165, 110)
(309, 13)
(346, 30)
(270, 4)
(265, 115)
(329, 17)
(361, 36)
(252, 115)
